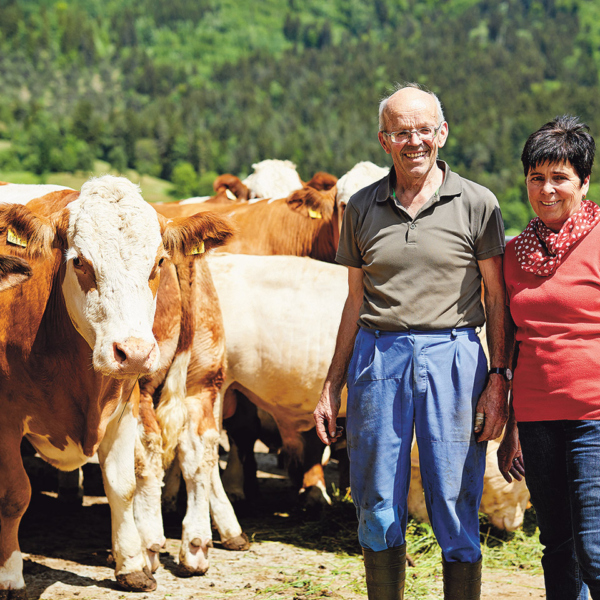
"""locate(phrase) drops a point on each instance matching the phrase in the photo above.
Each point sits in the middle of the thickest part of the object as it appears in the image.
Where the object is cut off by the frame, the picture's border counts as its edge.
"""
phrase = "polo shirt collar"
(451, 186)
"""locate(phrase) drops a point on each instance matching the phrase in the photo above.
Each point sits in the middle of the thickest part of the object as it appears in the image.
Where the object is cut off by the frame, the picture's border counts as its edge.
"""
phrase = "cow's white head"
(359, 176)
(114, 245)
(113, 256)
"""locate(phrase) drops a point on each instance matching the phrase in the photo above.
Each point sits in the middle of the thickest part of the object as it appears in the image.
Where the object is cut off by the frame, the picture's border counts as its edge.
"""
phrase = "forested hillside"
(186, 89)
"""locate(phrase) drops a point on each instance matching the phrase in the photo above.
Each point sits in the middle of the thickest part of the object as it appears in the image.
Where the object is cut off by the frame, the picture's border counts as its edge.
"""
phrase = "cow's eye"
(77, 262)
(160, 262)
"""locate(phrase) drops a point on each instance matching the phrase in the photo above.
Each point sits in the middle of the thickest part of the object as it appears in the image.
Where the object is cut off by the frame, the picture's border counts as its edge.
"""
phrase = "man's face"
(413, 158)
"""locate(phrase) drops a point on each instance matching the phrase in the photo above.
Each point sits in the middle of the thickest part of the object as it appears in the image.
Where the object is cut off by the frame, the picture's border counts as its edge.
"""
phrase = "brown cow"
(304, 224)
(96, 258)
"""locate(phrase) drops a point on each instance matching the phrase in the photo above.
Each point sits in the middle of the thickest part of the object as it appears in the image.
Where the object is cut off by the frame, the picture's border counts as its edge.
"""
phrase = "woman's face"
(555, 192)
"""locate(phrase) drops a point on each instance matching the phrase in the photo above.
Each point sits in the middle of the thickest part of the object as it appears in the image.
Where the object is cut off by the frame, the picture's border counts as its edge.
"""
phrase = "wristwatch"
(504, 371)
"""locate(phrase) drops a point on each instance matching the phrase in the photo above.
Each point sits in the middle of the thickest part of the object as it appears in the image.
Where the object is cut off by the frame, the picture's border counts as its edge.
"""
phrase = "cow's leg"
(243, 428)
(172, 485)
(149, 479)
(117, 457)
(198, 457)
(223, 514)
(15, 493)
(314, 489)
(70, 487)
(233, 476)
(195, 441)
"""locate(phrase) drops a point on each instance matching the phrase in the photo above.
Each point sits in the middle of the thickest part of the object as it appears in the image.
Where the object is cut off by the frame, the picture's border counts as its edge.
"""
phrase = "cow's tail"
(171, 411)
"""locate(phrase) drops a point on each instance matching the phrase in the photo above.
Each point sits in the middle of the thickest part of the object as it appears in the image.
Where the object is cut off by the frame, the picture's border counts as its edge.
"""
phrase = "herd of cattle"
(122, 335)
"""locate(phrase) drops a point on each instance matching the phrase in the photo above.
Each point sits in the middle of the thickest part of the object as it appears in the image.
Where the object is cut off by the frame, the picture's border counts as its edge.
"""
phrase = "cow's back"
(281, 315)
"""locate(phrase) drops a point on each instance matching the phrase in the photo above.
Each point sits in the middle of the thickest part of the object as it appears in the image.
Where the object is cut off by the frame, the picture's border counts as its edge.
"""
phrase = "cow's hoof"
(187, 571)
(237, 544)
(140, 581)
(153, 554)
(20, 594)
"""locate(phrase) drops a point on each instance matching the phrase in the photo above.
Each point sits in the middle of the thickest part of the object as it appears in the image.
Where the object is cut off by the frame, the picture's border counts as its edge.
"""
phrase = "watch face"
(509, 374)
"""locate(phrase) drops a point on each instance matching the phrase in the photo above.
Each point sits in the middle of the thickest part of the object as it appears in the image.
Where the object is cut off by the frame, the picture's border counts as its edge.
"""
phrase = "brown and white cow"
(75, 338)
(180, 416)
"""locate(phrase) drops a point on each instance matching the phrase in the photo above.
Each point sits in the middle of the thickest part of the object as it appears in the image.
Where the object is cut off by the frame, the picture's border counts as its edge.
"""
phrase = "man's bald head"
(408, 98)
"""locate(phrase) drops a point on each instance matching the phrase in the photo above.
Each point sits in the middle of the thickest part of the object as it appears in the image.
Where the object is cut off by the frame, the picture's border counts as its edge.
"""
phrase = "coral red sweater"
(558, 320)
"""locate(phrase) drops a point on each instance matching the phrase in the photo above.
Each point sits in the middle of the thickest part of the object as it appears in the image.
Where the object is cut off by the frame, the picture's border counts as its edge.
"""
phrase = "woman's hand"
(510, 457)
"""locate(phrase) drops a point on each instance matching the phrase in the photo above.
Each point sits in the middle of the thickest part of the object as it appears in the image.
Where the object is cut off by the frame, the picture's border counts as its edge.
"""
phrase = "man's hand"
(492, 409)
(510, 457)
(325, 415)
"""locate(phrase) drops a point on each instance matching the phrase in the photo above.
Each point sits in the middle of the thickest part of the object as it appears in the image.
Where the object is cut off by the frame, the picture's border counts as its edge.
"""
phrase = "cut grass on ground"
(334, 530)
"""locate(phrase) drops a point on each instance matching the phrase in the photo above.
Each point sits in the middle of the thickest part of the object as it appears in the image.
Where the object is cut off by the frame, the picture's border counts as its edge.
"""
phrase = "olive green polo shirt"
(421, 273)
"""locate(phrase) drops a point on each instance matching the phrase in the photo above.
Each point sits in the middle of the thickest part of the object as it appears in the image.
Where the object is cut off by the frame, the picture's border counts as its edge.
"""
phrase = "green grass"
(153, 188)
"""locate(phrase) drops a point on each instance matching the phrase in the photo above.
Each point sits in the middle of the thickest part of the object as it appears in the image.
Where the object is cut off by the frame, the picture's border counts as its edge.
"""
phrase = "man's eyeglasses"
(426, 134)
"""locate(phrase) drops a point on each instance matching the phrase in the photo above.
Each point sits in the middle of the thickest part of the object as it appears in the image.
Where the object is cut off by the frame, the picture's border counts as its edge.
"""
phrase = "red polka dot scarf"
(540, 250)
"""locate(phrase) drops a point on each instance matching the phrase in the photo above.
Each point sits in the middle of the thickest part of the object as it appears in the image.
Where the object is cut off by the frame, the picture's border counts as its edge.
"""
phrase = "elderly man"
(417, 244)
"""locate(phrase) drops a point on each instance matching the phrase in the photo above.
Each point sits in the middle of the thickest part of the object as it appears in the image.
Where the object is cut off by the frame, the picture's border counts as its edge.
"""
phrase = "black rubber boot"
(462, 581)
(385, 573)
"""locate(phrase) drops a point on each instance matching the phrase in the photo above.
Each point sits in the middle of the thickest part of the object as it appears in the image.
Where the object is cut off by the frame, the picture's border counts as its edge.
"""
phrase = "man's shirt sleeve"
(489, 237)
(348, 253)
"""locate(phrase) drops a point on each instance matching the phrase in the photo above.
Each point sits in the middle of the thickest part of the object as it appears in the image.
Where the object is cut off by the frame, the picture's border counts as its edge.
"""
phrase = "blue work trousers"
(430, 381)
(562, 466)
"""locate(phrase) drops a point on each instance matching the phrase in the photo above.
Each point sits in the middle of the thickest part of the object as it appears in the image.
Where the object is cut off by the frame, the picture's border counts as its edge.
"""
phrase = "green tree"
(185, 181)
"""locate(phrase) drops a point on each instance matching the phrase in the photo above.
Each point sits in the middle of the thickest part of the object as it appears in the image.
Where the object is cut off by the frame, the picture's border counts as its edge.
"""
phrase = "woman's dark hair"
(562, 139)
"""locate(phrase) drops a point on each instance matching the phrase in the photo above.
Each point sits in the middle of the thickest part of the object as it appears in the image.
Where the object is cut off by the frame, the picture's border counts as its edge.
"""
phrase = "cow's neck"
(55, 366)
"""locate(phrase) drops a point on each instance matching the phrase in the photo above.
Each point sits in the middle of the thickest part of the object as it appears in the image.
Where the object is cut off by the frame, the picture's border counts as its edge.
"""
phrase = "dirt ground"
(291, 556)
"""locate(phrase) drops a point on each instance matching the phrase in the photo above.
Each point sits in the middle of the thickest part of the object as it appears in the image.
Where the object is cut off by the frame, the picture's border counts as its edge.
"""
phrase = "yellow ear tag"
(199, 249)
(13, 238)
(314, 214)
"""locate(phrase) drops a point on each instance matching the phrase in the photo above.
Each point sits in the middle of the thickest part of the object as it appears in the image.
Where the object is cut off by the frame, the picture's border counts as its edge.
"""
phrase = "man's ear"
(195, 235)
(442, 134)
(384, 141)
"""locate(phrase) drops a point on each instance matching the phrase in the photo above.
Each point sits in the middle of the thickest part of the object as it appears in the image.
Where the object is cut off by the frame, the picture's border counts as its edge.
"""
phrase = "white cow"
(22, 193)
(273, 179)
(359, 176)
(281, 315)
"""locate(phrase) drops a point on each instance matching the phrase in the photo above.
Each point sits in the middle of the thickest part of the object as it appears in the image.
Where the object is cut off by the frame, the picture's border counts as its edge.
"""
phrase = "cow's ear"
(232, 183)
(13, 271)
(27, 233)
(312, 203)
(60, 222)
(195, 235)
(322, 181)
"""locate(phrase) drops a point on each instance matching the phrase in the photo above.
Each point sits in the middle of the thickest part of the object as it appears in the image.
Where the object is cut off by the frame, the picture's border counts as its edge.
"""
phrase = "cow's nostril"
(120, 356)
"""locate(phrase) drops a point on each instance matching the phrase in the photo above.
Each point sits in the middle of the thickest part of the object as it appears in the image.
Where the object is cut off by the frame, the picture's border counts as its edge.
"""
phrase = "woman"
(552, 274)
